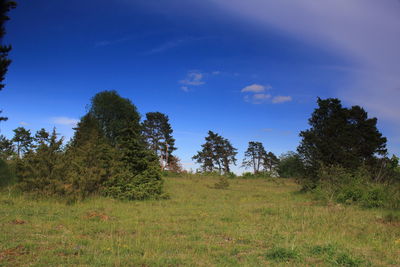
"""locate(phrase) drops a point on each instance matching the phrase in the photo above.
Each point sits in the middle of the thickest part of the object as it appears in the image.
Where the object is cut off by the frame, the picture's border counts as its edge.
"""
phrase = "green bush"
(127, 186)
(7, 176)
(347, 187)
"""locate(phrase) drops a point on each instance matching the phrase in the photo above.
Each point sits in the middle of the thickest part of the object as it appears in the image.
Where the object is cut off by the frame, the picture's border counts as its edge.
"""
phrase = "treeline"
(111, 153)
(342, 157)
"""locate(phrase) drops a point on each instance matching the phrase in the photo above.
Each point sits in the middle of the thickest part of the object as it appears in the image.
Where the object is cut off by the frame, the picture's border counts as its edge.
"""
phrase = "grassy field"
(252, 223)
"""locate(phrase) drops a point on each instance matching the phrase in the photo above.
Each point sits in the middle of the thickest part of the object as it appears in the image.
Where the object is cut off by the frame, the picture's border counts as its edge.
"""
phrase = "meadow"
(254, 222)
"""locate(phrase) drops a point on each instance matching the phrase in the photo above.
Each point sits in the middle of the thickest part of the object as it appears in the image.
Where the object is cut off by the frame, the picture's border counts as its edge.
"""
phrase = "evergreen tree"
(290, 165)
(158, 133)
(6, 148)
(254, 156)
(43, 168)
(270, 162)
(92, 160)
(5, 7)
(217, 154)
(23, 139)
(114, 115)
(340, 136)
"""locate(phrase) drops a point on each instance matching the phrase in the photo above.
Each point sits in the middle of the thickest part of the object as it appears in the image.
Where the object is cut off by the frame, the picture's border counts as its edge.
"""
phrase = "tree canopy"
(340, 136)
(217, 154)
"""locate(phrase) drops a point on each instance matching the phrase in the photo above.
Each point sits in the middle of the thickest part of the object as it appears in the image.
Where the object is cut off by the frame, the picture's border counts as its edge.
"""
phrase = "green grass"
(251, 223)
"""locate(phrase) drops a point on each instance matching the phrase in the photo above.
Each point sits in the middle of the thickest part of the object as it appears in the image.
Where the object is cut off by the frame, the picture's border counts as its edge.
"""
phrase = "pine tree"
(5, 7)
(23, 139)
(254, 156)
(158, 134)
(217, 154)
(339, 136)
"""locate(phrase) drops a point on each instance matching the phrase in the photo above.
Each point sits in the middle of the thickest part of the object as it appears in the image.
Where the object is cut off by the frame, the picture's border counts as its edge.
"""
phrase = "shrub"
(7, 176)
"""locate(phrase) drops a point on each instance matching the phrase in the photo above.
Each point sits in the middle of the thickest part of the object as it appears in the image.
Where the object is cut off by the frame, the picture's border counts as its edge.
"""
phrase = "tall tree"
(6, 148)
(5, 7)
(340, 136)
(290, 165)
(43, 169)
(254, 156)
(115, 114)
(217, 154)
(270, 162)
(158, 134)
(91, 158)
(23, 139)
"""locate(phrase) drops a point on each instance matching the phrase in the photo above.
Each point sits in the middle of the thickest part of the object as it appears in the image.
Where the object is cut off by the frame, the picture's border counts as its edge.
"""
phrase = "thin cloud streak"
(364, 32)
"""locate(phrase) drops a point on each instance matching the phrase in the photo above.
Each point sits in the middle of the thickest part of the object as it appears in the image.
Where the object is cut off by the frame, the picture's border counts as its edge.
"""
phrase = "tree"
(114, 115)
(6, 148)
(217, 154)
(254, 156)
(92, 160)
(158, 134)
(290, 165)
(340, 136)
(5, 7)
(138, 173)
(270, 162)
(43, 168)
(23, 140)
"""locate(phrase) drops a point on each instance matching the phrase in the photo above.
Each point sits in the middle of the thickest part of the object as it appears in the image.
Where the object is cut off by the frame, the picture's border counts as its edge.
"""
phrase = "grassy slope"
(253, 223)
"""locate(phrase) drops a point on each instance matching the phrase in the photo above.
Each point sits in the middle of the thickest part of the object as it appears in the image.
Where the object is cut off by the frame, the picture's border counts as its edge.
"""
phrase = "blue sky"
(249, 70)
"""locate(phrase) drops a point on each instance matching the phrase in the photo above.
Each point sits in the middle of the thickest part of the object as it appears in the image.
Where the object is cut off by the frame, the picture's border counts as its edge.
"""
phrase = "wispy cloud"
(185, 88)
(281, 99)
(23, 123)
(257, 98)
(193, 78)
(256, 88)
(365, 33)
(65, 121)
(255, 94)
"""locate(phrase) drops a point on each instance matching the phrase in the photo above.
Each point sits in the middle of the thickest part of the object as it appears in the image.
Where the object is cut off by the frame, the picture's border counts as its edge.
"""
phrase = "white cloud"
(257, 98)
(23, 123)
(256, 88)
(216, 72)
(366, 33)
(281, 99)
(65, 121)
(193, 78)
(185, 88)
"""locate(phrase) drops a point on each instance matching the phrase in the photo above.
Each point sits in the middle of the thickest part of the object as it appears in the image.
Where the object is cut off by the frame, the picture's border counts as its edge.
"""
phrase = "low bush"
(348, 187)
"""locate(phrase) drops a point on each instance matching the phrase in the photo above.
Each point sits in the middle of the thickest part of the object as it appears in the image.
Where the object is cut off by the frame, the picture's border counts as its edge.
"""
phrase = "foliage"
(254, 156)
(290, 165)
(339, 136)
(271, 162)
(23, 139)
(217, 154)
(42, 170)
(7, 175)
(6, 148)
(107, 155)
(114, 115)
(347, 187)
(158, 134)
(92, 161)
(5, 7)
